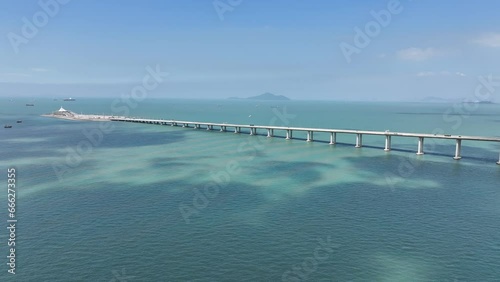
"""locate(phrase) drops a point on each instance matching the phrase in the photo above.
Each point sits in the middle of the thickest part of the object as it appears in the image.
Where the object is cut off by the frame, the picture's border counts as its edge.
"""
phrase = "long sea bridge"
(310, 133)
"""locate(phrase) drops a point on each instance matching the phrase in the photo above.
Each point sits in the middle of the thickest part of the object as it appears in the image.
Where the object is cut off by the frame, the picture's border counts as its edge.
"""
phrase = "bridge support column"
(209, 127)
(333, 138)
(387, 143)
(498, 163)
(359, 140)
(288, 134)
(420, 148)
(237, 129)
(310, 136)
(270, 133)
(253, 131)
(222, 128)
(458, 149)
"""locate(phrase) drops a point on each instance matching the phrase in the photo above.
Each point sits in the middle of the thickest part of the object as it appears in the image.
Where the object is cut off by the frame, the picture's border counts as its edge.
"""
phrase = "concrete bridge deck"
(310, 132)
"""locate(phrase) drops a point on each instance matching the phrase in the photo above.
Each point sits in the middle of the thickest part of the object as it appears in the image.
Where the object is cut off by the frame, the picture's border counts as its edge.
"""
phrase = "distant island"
(265, 96)
(431, 99)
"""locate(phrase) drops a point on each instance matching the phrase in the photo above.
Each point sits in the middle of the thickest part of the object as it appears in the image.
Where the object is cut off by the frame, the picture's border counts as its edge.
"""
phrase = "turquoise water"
(161, 203)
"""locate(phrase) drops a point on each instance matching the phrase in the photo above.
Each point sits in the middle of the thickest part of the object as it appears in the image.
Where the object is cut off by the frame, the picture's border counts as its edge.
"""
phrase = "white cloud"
(441, 73)
(489, 40)
(416, 54)
(39, 70)
(426, 73)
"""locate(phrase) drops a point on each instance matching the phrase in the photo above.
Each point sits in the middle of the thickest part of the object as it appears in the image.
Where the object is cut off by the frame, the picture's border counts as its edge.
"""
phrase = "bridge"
(310, 133)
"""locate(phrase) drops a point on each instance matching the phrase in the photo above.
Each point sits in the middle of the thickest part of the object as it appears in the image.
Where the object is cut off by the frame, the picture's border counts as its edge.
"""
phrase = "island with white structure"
(69, 115)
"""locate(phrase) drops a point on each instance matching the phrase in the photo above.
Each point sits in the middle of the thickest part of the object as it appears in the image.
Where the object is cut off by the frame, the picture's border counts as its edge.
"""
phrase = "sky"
(366, 50)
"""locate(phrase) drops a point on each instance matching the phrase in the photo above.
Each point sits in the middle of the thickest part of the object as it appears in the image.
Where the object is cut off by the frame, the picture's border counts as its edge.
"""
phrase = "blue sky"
(292, 48)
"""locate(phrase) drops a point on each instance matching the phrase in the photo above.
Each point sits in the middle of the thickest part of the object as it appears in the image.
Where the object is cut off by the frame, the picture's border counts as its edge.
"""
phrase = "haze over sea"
(388, 216)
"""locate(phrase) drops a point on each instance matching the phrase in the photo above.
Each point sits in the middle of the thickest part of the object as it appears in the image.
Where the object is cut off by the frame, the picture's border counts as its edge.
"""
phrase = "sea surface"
(136, 202)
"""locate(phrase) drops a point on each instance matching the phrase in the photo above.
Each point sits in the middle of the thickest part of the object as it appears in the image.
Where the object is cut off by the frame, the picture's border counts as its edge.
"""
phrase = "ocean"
(140, 202)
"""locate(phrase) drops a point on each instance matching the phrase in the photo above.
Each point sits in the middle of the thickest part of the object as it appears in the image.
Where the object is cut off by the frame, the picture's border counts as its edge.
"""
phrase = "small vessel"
(19, 121)
(7, 126)
(30, 105)
(69, 99)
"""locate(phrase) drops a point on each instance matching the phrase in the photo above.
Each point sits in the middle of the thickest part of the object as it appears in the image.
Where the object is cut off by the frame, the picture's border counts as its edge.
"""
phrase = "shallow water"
(161, 203)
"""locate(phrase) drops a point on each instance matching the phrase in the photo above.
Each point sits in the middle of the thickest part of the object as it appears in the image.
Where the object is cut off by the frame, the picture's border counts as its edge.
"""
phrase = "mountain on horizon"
(265, 96)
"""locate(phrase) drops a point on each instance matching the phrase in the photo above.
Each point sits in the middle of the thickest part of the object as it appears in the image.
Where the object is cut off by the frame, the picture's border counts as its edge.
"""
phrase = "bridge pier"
(333, 138)
(359, 140)
(458, 148)
(237, 129)
(387, 143)
(210, 127)
(196, 126)
(253, 131)
(498, 163)
(310, 135)
(222, 128)
(270, 132)
(288, 134)
(420, 148)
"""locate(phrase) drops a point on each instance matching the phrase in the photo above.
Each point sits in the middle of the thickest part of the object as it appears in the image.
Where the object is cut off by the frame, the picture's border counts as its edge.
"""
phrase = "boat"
(7, 126)
(19, 121)
(30, 105)
(69, 99)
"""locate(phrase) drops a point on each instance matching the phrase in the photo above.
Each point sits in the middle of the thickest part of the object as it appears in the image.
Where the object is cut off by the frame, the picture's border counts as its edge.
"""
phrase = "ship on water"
(69, 99)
